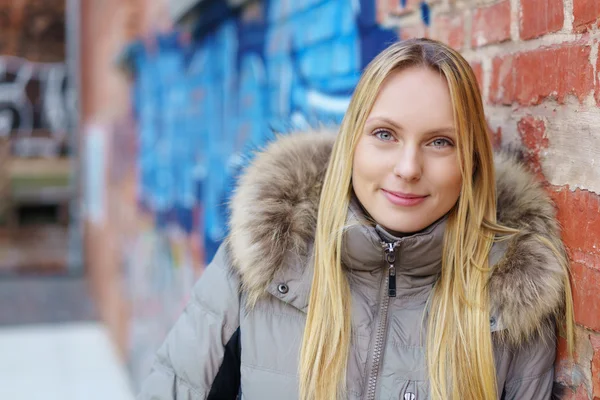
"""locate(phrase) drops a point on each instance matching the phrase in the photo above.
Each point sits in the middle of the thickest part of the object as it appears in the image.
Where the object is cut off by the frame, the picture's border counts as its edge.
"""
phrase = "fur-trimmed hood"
(274, 214)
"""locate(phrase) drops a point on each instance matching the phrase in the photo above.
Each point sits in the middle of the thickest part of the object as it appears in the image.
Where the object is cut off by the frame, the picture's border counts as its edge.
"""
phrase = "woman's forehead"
(414, 99)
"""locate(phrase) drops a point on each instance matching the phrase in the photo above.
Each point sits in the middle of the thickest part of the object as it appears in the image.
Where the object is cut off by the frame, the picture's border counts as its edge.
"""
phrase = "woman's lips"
(401, 199)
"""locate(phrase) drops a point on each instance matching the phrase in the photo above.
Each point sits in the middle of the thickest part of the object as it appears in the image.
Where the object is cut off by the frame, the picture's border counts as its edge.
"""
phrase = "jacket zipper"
(390, 282)
(390, 257)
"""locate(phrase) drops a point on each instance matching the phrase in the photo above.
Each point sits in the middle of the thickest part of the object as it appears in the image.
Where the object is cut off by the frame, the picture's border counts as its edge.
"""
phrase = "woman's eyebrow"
(447, 130)
(441, 131)
(386, 120)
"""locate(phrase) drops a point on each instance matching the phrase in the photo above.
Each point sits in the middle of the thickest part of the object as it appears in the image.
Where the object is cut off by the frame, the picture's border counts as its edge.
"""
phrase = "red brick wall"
(107, 27)
(538, 67)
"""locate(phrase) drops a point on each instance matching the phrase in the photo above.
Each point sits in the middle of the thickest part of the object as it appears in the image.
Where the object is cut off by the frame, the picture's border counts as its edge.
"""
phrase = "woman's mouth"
(404, 199)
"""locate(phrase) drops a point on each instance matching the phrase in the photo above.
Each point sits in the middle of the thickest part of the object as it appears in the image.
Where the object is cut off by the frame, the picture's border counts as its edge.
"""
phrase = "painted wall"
(201, 105)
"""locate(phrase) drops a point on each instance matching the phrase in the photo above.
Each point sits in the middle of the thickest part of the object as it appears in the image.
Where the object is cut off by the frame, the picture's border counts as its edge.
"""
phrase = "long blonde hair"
(459, 346)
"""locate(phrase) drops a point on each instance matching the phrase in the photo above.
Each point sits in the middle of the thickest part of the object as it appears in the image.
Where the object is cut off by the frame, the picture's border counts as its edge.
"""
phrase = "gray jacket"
(220, 348)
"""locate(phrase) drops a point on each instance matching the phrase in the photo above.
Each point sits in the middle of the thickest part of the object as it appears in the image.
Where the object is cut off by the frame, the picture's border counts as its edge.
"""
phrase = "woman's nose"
(409, 165)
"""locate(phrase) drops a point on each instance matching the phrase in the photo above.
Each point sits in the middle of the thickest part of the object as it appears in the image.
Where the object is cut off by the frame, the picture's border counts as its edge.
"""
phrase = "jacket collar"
(274, 213)
(418, 256)
(418, 261)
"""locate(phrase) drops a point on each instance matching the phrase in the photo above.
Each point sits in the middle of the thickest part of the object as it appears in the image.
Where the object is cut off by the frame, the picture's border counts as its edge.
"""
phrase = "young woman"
(396, 260)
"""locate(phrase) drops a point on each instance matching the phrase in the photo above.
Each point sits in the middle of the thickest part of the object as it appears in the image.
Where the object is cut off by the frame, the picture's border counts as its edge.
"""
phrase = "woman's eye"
(441, 142)
(383, 135)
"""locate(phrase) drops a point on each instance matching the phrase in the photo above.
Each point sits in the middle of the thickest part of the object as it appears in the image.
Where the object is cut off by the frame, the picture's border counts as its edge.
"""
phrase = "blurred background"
(123, 124)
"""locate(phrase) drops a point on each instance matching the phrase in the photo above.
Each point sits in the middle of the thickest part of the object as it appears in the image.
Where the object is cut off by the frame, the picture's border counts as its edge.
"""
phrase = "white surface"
(95, 168)
(573, 155)
(60, 362)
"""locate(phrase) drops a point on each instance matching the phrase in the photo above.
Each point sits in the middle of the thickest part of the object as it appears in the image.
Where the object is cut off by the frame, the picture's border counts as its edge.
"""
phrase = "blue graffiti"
(202, 107)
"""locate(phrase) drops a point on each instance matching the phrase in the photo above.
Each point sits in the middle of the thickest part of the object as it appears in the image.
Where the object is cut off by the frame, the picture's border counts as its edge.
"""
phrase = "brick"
(478, 71)
(557, 71)
(450, 30)
(491, 24)
(579, 215)
(586, 298)
(595, 340)
(553, 72)
(586, 14)
(534, 23)
(533, 136)
(532, 131)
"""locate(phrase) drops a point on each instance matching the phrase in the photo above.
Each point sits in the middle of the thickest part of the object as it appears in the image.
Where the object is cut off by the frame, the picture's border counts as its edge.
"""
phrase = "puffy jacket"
(220, 348)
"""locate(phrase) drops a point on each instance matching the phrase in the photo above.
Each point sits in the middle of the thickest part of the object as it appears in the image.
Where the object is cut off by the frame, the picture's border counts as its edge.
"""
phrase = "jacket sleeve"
(194, 358)
(531, 372)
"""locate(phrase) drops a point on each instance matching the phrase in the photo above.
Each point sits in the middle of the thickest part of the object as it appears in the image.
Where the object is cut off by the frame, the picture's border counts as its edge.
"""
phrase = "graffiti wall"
(33, 106)
(202, 103)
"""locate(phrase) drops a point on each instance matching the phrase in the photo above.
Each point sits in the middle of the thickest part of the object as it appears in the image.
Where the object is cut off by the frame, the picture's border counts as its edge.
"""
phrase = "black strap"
(226, 385)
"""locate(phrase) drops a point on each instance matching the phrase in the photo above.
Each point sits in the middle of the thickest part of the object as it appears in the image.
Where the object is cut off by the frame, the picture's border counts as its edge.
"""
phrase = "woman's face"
(405, 169)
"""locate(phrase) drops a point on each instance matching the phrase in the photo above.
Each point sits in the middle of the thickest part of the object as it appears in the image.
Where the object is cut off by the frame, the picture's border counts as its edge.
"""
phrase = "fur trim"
(274, 207)
(274, 214)
(527, 285)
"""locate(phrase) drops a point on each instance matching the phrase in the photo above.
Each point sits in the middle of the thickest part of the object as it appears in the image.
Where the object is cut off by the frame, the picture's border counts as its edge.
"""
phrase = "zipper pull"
(390, 257)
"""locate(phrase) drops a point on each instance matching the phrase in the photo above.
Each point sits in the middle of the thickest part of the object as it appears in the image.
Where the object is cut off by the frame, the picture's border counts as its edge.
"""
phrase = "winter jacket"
(220, 348)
